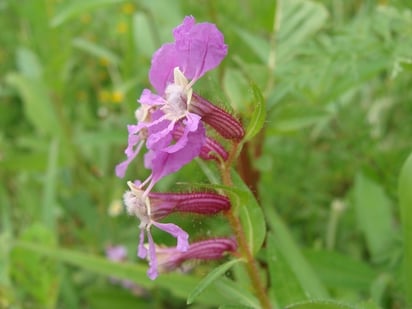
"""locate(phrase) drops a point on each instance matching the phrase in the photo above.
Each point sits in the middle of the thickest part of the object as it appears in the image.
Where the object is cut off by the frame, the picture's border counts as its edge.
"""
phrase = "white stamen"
(137, 204)
(178, 97)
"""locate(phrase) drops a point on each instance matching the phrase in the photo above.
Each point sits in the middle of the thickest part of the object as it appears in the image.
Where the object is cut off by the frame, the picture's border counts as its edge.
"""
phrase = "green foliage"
(377, 229)
(212, 276)
(258, 117)
(251, 216)
(29, 269)
(324, 90)
(405, 199)
(319, 304)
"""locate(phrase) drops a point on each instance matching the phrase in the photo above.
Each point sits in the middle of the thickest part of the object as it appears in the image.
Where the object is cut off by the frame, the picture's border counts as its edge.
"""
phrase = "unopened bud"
(224, 123)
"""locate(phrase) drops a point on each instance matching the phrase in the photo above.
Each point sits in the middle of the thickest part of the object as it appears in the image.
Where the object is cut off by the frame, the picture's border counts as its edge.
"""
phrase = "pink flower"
(151, 207)
(170, 120)
(198, 48)
(116, 253)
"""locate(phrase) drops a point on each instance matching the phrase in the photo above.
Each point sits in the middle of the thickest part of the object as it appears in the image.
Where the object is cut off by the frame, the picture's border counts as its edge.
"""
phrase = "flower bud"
(224, 123)
(204, 203)
(211, 249)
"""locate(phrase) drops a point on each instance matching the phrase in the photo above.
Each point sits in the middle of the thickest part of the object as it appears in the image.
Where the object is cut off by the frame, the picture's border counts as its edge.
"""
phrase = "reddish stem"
(251, 263)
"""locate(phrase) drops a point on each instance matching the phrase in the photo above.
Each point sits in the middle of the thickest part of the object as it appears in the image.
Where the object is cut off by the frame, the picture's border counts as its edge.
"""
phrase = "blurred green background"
(336, 77)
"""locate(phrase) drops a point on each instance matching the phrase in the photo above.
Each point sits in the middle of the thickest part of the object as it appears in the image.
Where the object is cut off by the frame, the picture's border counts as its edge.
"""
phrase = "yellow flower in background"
(121, 27)
(117, 96)
(128, 8)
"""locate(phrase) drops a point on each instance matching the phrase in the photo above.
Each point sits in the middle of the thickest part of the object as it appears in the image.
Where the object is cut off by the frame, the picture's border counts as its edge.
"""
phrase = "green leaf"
(38, 107)
(234, 307)
(210, 278)
(258, 45)
(96, 50)
(143, 32)
(405, 201)
(367, 305)
(300, 19)
(379, 288)
(294, 117)
(340, 271)
(209, 170)
(258, 115)
(28, 63)
(49, 190)
(373, 211)
(244, 204)
(251, 216)
(236, 88)
(4, 258)
(178, 284)
(30, 269)
(237, 294)
(285, 286)
(74, 8)
(308, 279)
(108, 298)
(320, 304)
(25, 162)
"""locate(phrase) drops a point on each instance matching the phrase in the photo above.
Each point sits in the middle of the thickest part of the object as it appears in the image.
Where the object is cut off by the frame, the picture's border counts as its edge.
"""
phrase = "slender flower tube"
(213, 150)
(210, 249)
(224, 123)
(155, 206)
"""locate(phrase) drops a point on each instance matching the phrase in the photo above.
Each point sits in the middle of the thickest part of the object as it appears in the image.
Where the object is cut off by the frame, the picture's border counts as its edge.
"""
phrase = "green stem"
(234, 221)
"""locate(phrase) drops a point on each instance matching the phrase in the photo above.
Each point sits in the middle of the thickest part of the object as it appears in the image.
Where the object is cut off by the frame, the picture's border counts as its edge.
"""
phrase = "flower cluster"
(172, 125)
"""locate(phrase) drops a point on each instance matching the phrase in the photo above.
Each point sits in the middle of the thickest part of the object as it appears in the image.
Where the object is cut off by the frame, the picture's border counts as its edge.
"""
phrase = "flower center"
(178, 97)
(137, 204)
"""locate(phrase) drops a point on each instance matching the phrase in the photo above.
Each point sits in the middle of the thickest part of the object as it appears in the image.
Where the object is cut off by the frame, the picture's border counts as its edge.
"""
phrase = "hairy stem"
(251, 263)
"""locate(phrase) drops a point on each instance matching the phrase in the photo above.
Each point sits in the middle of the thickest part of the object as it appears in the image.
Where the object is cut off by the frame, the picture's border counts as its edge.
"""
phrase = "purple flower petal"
(197, 49)
(164, 163)
(192, 124)
(141, 250)
(149, 98)
(152, 271)
(122, 167)
(201, 44)
(164, 60)
(181, 236)
(134, 145)
(160, 135)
